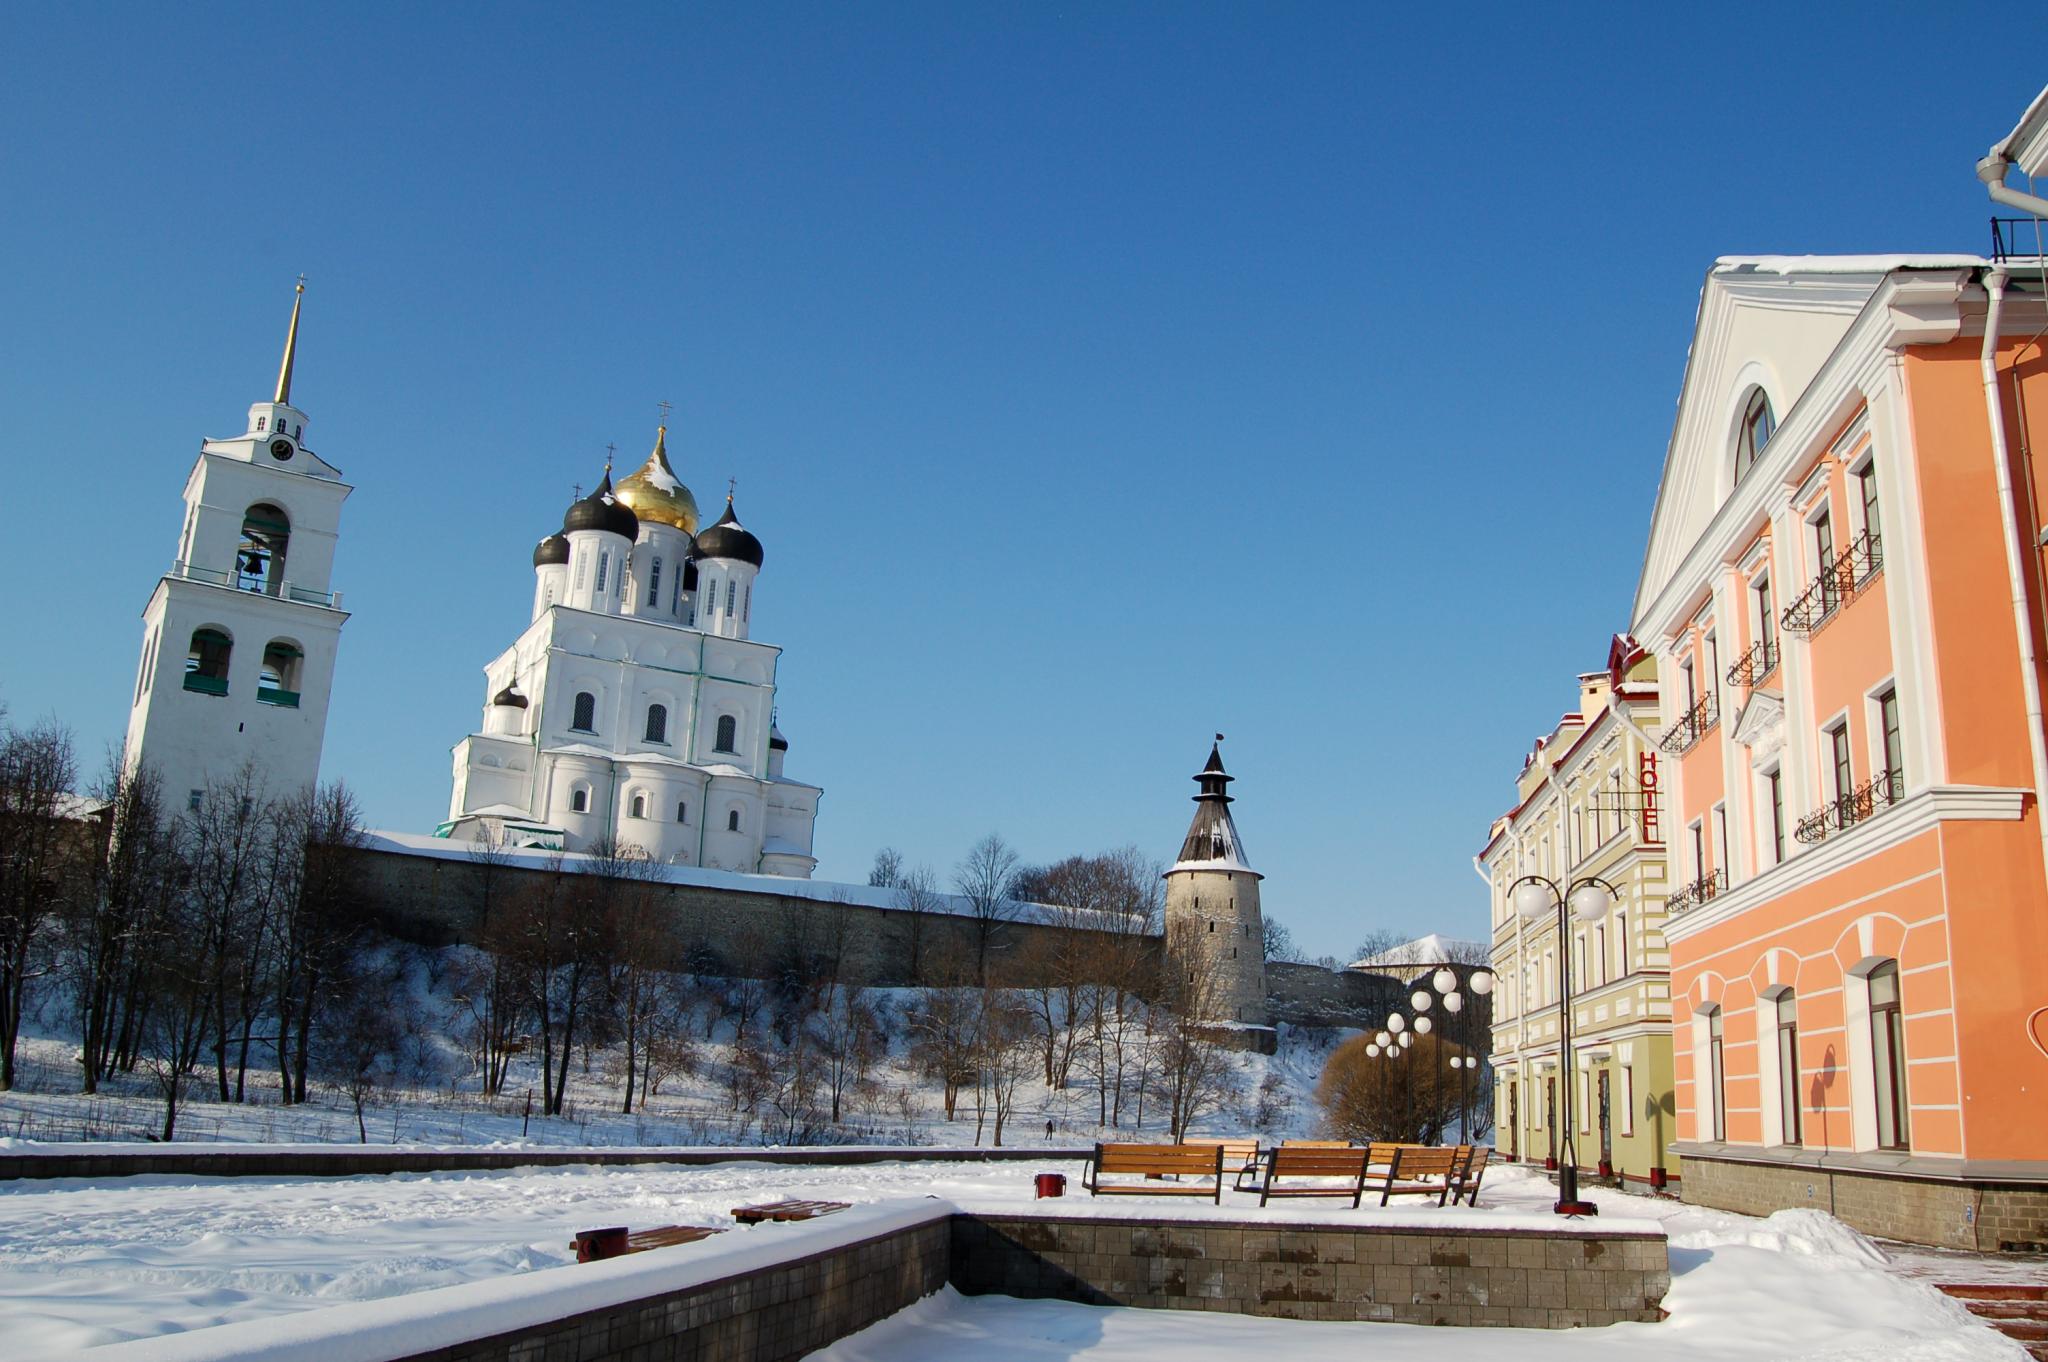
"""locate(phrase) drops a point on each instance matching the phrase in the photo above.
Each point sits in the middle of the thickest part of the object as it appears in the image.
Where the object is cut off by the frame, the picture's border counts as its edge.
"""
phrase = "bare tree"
(1396, 1097)
(38, 862)
(132, 877)
(985, 878)
(486, 989)
(917, 896)
(232, 889)
(362, 1037)
(1194, 1072)
(888, 869)
(318, 926)
(1278, 941)
(641, 951)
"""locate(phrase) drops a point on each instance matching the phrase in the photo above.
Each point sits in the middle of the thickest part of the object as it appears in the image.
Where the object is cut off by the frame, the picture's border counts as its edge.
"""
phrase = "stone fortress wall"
(432, 900)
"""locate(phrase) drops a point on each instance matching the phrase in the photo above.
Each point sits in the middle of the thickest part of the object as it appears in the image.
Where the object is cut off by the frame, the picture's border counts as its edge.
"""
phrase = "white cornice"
(1918, 812)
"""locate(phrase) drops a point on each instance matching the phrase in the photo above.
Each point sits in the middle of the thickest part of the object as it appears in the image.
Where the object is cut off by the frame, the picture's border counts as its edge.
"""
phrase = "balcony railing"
(2015, 237)
(1881, 791)
(206, 685)
(1698, 892)
(1753, 666)
(274, 695)
(1839, 581)
(233, 581)
(1686, 731)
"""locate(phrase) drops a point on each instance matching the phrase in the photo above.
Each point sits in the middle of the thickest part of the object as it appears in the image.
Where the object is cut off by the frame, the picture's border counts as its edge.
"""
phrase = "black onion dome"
(509, 696)
(602, 511)
(551, 550)
(729, 539)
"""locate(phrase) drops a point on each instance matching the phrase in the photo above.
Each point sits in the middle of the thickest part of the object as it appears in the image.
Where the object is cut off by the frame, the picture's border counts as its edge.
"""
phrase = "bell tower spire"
(291, 349)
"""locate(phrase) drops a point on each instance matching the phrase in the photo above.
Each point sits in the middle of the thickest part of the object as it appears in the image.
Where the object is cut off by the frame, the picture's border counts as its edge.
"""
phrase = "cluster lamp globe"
(1396, 1023)
(1590, 901)
(1445, 981)
(1407, 1039)
(1383, 1039)
(1454, 1002)
(1372, 1048)
(1423, 1024)
(1482, 982)
(1533, 899)
(1420, 999)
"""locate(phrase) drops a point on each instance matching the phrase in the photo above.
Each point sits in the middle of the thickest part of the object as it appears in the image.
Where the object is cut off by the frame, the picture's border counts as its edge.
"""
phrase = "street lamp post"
(1585, 899)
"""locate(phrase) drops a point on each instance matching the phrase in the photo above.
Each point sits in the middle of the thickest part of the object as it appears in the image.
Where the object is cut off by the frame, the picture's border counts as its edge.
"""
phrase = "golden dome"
(655, 492)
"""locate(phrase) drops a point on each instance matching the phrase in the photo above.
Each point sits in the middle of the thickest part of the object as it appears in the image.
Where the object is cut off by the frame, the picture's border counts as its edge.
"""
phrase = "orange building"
(1844, 590)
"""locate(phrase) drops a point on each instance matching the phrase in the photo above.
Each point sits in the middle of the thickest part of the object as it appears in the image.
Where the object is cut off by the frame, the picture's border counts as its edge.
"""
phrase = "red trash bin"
(1051, 1184)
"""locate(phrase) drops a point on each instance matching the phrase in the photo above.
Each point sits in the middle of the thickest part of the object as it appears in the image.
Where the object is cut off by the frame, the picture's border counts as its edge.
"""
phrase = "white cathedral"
(635, 707)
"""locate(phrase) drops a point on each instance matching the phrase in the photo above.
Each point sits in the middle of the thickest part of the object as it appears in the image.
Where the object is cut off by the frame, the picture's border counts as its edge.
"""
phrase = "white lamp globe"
(1444, 980)
(1454, 1002)
(1373, 1050)
(1482, 982)
(1383, 1039)
(1420, 999)
(1590, 901)
(1407, 1039)
(1533, 899)
(1422, 1024)
(1396, 1023)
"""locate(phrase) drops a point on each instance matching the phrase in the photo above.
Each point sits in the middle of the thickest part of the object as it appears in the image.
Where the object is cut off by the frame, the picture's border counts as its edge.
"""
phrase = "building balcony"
(1687, 730)
(1756, 665)
(1700, 891)
(1839, 581)
(1881, 791)
(272, 695)
(2017, 238)
(206, 685)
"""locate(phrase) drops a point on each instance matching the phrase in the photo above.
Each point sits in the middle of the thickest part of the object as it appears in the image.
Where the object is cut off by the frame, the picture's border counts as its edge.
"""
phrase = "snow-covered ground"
(85, 1262)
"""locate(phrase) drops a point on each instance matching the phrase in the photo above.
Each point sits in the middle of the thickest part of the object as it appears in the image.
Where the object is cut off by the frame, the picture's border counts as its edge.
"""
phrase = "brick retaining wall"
(1450, 1274)
(1982, 1214)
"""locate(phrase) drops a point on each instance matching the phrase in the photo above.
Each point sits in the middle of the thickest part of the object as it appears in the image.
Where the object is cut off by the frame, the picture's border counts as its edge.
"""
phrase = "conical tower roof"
(1212, 842)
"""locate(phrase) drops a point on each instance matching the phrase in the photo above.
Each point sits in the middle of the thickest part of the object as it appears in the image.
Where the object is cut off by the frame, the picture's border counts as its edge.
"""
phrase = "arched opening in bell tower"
(259, 558)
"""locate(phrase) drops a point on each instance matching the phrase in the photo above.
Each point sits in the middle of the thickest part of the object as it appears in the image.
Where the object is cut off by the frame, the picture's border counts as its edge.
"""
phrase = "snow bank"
(1803, 1231)
(403, 1326)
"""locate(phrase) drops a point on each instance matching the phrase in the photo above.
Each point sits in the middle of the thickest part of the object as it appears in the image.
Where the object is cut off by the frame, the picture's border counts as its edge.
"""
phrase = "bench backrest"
(1476, 1163)
(1318, 1163)
(1417, 1161)
(1383, 1151)
(1184, 1159)
(1315, 1144)
(1234, 1151)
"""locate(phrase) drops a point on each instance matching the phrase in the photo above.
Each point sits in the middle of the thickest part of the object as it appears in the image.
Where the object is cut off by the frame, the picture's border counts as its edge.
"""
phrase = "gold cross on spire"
(609, 451)
(665, 409)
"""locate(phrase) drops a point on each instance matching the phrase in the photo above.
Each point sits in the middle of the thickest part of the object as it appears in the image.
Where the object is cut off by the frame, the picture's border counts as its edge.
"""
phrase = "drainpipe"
(1480, 871)
(1992, 171)
(2015, 545)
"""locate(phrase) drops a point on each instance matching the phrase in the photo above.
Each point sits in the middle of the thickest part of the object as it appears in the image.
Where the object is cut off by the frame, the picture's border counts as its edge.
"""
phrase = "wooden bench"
(594, 1246)
(1418, 1170)
(786, 1210)
(1242, 1155)
(1341, 1173)
(1466, 1186)
(1156, 1162)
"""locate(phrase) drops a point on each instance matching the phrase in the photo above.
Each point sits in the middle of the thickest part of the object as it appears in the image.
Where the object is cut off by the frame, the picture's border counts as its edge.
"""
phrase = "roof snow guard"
(1212, 842)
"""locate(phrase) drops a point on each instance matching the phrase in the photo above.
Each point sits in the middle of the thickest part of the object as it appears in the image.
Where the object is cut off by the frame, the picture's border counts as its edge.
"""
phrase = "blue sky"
(1097, 378)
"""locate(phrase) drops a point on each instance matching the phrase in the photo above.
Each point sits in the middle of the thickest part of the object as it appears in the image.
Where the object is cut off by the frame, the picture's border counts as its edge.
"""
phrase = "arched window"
(732, 821)
(259, 558)
(682, 812)
(657, 723)
(1787, 1037)
(584, 719)
(654, 585)
(278, 682)
(1888, 1055)
(728, 735)
(1717, 1078)
(579, 801)
(206, 664)
(1758, 425)
(639, 806)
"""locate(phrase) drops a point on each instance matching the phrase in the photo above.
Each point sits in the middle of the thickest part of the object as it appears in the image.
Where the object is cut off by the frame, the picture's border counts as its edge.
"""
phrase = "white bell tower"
(239, 637)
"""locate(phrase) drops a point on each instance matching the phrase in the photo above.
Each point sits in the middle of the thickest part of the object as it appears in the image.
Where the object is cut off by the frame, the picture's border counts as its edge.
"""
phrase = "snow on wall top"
(1842, 264)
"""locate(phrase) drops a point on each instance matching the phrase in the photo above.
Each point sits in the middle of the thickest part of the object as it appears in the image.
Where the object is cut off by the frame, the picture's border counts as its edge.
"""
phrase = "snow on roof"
(1841, 264)
(2027, 144)
(1434, 949)
(781, 846)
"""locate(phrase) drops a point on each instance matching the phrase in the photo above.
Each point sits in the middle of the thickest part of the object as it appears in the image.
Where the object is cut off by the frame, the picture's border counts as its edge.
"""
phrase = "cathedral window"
(582, 567)
(654, 584)
(747, 606)
(639, 806)
(584, 720)
(579, 801)
(732, 589)
(604, 564)
(657, 723)
(728, 736)
(206, 664)
(682, 812)
(732, 821)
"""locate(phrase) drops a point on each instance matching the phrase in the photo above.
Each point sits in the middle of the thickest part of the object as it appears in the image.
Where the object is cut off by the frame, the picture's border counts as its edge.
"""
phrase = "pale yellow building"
(1587, 806)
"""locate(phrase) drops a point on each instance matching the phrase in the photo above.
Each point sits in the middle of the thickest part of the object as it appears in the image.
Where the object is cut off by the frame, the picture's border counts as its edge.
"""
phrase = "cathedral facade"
(635, 708)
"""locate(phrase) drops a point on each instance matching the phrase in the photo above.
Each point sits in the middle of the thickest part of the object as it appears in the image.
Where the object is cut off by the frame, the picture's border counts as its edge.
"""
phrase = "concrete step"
(1994, 1291)
(2035, 1310)
(2023, 1330)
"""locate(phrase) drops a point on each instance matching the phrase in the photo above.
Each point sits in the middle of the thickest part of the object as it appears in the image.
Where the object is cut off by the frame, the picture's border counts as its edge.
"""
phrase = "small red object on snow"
(1051, 1184)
